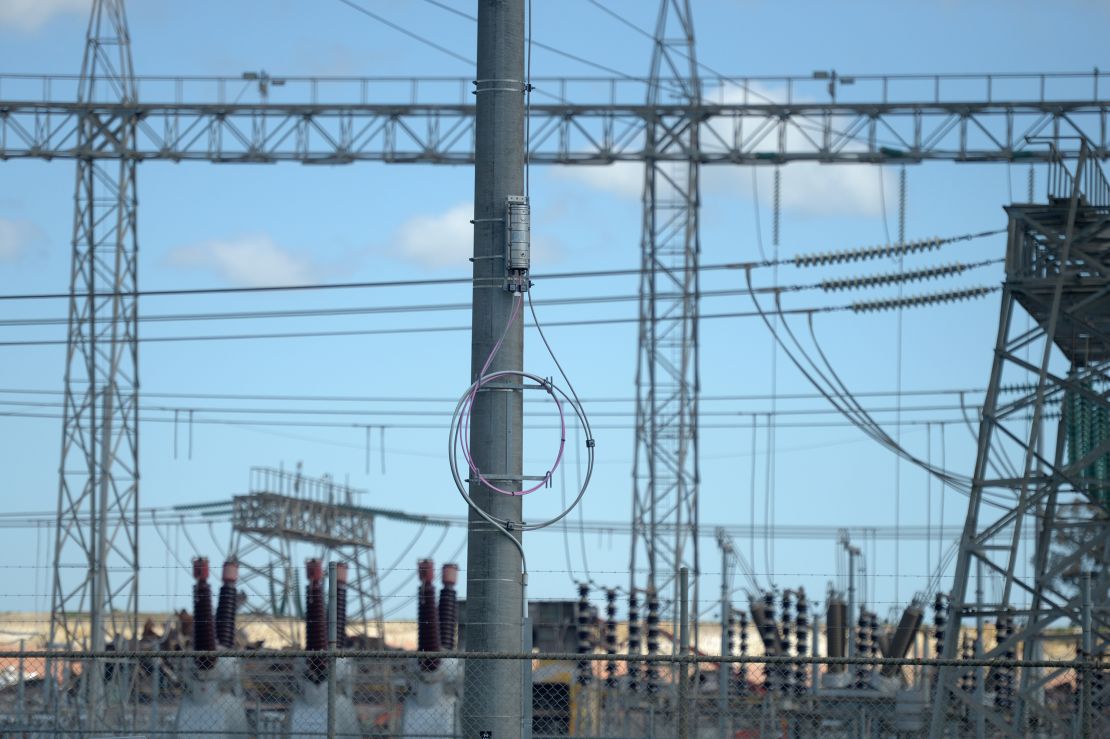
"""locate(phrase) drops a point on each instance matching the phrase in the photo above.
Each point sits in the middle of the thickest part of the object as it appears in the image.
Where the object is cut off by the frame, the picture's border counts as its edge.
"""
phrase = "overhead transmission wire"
(411, 34)
(539, 44)
(826, 285)
(855, 307)
(849, 408)
(801, 260)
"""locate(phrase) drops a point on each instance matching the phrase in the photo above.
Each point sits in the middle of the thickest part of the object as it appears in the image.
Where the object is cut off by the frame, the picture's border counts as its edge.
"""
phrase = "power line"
(446, 399)
(401, 29)
(807, 260)
(541, 45)
(825, 285)
(201, 420)
(921, 301)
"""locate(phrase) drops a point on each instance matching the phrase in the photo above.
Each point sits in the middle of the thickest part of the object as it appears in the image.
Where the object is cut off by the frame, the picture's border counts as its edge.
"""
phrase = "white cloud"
(447, 239)
(624, 179)
(29, 15)
(250, 260)
(16, 237)
(439, 240)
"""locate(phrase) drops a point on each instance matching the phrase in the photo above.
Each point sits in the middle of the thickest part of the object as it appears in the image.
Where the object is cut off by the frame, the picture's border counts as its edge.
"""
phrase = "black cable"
(540, 44)
(828, 285)
(445, 399)
(806, 260)
(410, 34)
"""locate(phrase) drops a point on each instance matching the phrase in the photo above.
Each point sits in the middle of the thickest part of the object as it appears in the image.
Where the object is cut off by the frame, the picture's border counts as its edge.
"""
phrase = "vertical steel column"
(96, 552)
(492, 699)
(665, 468)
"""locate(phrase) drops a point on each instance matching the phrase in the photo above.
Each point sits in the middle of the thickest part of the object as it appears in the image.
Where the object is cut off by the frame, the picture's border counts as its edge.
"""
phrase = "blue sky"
(207, 225)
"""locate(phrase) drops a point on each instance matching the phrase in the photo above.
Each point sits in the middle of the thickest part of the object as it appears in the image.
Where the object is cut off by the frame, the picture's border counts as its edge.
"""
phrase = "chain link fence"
(257, 693)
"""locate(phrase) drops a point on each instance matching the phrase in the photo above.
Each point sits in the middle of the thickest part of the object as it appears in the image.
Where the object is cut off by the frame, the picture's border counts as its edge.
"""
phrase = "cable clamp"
(590, 443)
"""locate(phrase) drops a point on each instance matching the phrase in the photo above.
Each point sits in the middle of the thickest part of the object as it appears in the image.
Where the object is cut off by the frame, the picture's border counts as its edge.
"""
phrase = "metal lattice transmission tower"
(665, 471)
(286, 514)
(1036, 542)
(96, 556)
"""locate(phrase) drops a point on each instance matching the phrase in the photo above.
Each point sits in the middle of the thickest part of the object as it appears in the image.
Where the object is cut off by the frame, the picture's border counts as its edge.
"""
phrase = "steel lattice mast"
(96, 556)
(1037, 522)
(665, 471)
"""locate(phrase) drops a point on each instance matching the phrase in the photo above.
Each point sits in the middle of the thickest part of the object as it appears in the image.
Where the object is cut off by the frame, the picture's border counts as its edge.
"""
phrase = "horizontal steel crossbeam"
(346, 130)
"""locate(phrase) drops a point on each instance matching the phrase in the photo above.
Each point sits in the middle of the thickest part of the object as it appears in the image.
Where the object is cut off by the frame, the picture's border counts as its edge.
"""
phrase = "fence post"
(683, 651)
(157, 696)
(333, 581)
(724, 669)
(526, 675)
(1086, 653)
(22, 696)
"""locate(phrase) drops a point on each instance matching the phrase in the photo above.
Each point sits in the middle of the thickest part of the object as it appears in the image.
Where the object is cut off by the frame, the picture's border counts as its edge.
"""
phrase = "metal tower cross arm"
(591, 121)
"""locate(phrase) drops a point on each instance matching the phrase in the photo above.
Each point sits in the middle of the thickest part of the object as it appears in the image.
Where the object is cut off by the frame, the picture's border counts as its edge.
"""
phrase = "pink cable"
(468, 407)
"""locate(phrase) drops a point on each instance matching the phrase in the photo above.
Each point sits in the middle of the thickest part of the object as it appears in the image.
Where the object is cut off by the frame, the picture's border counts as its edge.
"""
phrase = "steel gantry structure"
(674, 121)
(1038, 522)
(665, 470)
(98, 494)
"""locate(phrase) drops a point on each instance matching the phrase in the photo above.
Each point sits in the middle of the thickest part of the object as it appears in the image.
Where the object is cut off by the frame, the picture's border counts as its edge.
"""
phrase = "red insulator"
(316, 625)
(448, 607)
(427, 626)
(204, 627)
(341, 604)
(225, 608)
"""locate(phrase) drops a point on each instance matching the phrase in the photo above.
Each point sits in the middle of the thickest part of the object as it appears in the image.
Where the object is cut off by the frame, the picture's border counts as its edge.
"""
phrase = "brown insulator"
(316, 625)
(940, 618)
(652, 640)
(742, 671)
(582, 620)
(611, 637)
(341, 604)
(448, 607)
(225, 607)
(204, 626)
(427, 617)
(633, 641)
(863, 648)
(785, 673)
(801, 641)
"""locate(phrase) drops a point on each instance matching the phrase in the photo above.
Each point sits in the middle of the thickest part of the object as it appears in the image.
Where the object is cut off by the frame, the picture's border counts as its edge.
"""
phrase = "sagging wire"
(856, 415)
(960, 483)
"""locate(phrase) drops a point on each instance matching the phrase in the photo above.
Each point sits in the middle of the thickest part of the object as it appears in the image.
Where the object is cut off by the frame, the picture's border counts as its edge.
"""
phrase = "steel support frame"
(564, 133)
(665, 467)
(96, 551)
(1058, 271)
(272, 523)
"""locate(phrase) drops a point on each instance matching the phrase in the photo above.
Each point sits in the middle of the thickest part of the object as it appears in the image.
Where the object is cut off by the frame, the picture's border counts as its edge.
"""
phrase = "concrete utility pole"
(492, 701)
